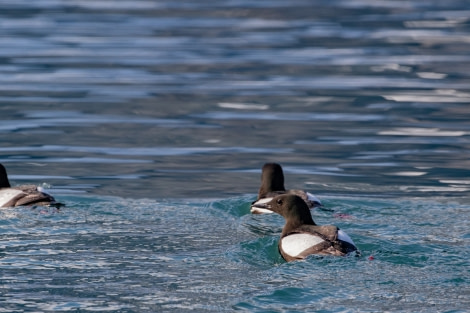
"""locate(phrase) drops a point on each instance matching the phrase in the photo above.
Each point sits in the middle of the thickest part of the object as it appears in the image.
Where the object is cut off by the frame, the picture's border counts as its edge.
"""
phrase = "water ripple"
(135, 151)
(173, 105)
(288, 116)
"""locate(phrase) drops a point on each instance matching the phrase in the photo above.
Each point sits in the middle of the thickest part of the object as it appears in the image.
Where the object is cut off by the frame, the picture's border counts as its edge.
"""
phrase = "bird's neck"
(4, 183)
(292, 224)
(270, 186)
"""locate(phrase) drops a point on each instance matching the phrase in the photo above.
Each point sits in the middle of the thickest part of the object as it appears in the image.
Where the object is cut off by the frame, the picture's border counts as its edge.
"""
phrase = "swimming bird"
(300, 235)
(21, 195)
(272, 184)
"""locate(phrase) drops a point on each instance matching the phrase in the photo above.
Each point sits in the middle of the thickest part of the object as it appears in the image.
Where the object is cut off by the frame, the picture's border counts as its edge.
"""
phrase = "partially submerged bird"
(272, 185)
(300, 235)
(22, 195)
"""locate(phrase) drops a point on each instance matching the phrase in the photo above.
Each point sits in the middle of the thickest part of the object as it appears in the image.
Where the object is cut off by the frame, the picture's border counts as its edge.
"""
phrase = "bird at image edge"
(26, 195)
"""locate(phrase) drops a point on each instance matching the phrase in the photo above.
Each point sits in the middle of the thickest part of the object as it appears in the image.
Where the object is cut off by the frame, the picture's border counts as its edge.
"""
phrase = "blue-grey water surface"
(151, 120)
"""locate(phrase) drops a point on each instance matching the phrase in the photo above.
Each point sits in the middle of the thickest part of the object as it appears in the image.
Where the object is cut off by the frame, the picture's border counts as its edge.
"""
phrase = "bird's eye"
(279, 201)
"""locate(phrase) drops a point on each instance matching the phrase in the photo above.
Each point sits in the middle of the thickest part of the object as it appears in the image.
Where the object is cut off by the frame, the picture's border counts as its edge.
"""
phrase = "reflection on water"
(360, 91)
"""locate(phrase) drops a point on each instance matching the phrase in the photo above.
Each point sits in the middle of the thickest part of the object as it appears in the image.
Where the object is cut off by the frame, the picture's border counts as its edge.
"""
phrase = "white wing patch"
(255, 210)
(295, 244)
(7, 194)
(312, 197)
(344, 237)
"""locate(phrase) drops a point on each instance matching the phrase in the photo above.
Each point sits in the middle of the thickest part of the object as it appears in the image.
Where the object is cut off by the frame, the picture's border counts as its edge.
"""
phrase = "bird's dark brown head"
(272, 179)
(291, 207)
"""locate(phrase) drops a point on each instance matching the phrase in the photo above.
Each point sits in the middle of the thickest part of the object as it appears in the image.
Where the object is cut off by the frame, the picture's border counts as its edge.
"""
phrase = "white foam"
(295, 244)
(42, 190)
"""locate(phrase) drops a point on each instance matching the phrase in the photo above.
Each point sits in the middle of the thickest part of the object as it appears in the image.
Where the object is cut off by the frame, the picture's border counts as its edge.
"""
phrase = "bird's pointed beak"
(265, 205)
(261, 207)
